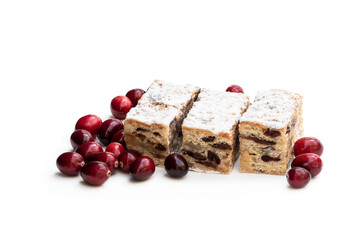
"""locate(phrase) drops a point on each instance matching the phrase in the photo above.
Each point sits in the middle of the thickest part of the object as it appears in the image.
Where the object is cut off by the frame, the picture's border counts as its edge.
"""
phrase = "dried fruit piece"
(208, 138)
(213, 157)
(195, 155)
(272, 133)
(160, 147)
(267, 158)
(222, 146)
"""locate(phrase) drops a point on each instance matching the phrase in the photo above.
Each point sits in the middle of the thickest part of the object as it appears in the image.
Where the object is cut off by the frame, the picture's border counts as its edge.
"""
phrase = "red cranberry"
(120, 106)
(79, 137)
(116, 148)
(108, 129)
(176, 165)
(89, 150)
(309, 161)
(298, 177)
(126, 159)
(109, 158)
(235, 88)
(90, 123)
(134, 95)
(70, 163)
(308, 145)
(95, 173)
(119, 137)
(142, 168)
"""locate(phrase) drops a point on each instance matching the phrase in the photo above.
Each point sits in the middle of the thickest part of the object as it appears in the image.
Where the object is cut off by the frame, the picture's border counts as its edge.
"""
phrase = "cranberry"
(119, 137)
(126, 159)
(109, 158)
(89, 150)
(308, 145)
(298, 177)
(120, 106)
(95, 173)
(115, 148)
(90, 123)
(309, 161)
(70, 163)
(79, 137)
(142, 168)
(235, 88)
(176, 165)
(134, 95)
(108, 129)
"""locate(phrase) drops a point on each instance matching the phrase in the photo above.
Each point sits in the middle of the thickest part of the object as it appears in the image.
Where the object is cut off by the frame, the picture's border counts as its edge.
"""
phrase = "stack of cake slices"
(210, 128)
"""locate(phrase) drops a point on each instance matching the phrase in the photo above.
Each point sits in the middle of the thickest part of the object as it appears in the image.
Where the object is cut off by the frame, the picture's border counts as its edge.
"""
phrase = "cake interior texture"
(153, 127)
(268, 131)
(210, 131)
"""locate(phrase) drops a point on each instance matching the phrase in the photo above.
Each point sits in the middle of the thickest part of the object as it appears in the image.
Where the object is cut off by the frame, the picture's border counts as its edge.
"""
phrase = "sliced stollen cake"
(268, 131)
(210, 131)
(153, 127)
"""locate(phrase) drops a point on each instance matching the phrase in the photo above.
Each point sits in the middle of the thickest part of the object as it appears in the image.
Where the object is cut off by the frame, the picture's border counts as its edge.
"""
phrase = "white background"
(60, 60)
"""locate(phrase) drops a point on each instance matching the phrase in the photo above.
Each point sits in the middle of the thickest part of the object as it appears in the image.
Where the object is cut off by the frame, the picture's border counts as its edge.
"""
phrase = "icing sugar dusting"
(272, 108)
(170, 94)
(216, 111)
(162, 102)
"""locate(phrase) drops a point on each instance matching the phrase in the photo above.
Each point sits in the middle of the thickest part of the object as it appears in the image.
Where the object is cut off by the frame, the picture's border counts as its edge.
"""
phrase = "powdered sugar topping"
(162, 102)
(272, 108)
(170, 94)
(216, 111)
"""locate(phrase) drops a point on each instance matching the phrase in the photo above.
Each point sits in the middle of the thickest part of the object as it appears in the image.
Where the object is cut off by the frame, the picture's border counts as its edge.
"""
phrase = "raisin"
(141, 130)
(142, 137)
(272, 133)
(157, 134)
(199, 156)
(208, 139)
(213, 157)
(194, 155)
(260, 141)
(222, 146)
(267, 158)
(160, 147)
